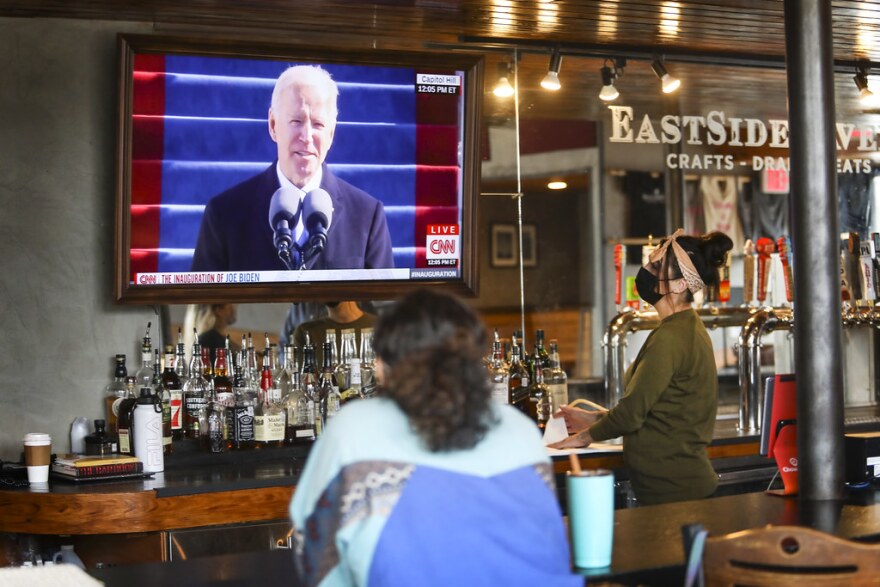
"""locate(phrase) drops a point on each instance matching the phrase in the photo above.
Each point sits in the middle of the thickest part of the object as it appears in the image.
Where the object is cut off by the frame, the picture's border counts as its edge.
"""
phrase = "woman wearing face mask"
(667, 414)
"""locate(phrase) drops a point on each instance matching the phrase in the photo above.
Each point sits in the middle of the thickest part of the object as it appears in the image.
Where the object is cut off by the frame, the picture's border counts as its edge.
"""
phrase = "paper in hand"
(555, 431)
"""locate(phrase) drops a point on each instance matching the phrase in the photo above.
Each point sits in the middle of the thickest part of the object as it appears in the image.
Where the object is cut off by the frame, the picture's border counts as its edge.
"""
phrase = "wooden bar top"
(200, 491)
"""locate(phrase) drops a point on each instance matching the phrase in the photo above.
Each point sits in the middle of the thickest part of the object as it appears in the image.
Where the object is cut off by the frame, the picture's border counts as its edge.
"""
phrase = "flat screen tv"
(206, 210)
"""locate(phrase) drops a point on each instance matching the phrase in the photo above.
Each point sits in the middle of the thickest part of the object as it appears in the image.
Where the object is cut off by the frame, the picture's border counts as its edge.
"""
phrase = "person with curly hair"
(667, 413)
(431, 483)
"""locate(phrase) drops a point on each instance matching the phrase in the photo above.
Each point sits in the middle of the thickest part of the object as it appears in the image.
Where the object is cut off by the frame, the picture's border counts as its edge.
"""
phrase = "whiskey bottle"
(195, 392)
(124, 419)
(173, 382)
(207, 367)
(499, 373)
(240, 419)
(557, 380)
(164, 399)
(539, 395)
(114, 393)
(222, 383)
(540, 357)
(269, 422)
(518, 381)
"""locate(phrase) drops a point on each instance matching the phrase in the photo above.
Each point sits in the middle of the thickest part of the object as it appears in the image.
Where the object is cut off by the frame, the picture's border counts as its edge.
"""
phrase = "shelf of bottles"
(534, 383)
(243, 399)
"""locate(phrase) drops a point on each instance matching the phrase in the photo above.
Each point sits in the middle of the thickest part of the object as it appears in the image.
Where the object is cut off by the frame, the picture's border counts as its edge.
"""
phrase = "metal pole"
(818, 339)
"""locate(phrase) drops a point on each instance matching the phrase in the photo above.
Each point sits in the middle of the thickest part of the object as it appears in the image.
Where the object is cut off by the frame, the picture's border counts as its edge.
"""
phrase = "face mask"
(646, 285)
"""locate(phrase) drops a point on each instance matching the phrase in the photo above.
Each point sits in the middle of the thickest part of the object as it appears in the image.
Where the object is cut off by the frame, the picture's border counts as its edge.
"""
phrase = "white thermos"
(79, 429)
(147, 431)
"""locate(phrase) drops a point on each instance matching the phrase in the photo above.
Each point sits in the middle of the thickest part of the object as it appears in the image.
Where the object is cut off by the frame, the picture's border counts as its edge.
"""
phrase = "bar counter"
(647, 541)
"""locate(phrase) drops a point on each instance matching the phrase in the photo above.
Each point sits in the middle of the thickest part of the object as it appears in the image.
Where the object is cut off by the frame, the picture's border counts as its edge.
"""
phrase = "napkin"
(555, 430)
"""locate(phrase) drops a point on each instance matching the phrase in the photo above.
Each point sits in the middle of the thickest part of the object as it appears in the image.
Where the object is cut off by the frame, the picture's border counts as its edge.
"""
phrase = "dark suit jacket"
(235, 234)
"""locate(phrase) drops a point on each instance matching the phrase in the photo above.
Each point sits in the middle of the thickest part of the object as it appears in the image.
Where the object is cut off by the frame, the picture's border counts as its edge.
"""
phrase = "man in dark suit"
(235, 234)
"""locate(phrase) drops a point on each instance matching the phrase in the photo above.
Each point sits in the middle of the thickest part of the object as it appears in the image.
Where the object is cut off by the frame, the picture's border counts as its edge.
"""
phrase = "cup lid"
(37, 438)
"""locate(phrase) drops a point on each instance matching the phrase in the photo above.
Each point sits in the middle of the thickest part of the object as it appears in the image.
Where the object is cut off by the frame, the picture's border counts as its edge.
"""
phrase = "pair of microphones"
(285, 210)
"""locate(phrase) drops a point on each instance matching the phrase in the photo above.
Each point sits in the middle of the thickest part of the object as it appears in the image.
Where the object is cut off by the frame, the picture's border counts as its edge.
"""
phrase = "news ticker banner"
(251, 277)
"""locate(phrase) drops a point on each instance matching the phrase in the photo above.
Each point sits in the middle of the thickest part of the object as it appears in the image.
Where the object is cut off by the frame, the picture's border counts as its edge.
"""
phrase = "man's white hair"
(305, 76)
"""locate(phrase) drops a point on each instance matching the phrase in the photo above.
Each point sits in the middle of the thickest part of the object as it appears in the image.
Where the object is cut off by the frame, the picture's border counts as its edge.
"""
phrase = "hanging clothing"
(720, 209)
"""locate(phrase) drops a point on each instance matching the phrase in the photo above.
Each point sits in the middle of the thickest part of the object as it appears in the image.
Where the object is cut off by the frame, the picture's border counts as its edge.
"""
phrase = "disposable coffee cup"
(591, 517)
(37, 456)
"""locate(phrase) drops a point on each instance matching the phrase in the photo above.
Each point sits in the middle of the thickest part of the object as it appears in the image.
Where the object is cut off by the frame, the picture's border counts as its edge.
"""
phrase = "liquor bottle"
(299, 415)
(539, 395)
(174, 384)
(270, 360)
(222, 383)
(348, 370)
(207, 367)
(164, 402)
(253, 369)
(212, 425)
(240, 419)
(557, 380)
(124, 418)
(100, 442)
(328, 391)
(499, 373)
(268, 417)
(114, 393)
(368, 364)
(195, 392)
(309, 383)
(518, 381)
(540, 357)
(144, 375)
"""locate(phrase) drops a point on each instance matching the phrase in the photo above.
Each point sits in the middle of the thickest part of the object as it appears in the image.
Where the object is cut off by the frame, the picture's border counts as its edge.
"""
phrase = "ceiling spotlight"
(503, 89)
(557, 184)
(608, 92)
(551, 80)
(669, 83)
(866, 96)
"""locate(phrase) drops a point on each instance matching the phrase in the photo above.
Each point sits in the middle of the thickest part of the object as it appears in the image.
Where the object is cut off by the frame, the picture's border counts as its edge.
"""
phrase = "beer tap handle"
(764, 248)
(619, 253)
(783, 244)
(748, 272)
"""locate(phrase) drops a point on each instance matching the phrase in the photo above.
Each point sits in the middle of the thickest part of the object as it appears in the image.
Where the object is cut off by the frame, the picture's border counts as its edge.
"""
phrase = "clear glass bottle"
(114, 393)
(164, 400)
(328, 391)
(348, 369)
(309, 383)
(195, 392)
(269, 425)
(144, 375)
(299, 415)
(212, 424)
(557, 380)
(240, 419)
(368, 364)
(499, 373)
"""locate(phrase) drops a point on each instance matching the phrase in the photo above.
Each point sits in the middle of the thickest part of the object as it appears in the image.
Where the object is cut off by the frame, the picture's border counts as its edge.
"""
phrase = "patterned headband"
(691, 275)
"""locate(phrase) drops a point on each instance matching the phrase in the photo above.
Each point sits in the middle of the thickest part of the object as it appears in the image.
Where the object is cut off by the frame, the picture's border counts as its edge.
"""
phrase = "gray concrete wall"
(59, 328)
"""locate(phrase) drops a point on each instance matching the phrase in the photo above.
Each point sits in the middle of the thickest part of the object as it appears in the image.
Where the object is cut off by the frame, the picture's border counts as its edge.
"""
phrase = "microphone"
(317, 216)
(283, 211)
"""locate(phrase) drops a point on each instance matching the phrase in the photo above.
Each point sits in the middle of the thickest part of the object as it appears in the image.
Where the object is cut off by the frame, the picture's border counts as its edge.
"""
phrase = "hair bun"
(714, 246)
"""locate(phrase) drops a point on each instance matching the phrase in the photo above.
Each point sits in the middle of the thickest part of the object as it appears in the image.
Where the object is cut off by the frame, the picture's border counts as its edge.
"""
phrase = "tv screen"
(259, 172)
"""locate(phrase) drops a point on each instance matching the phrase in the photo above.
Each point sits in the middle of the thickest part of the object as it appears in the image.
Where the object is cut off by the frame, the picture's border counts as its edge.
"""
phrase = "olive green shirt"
(667, 414)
